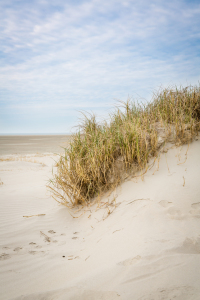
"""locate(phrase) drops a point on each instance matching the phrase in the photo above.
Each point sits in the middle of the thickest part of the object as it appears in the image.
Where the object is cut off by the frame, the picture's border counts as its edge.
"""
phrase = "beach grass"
(100, 156)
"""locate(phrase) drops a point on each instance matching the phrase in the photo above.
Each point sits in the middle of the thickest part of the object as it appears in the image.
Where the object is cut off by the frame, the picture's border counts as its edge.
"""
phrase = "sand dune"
(148, 248)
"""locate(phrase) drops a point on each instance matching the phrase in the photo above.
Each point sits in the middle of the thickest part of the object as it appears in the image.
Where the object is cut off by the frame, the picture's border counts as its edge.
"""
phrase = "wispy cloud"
(83, 54)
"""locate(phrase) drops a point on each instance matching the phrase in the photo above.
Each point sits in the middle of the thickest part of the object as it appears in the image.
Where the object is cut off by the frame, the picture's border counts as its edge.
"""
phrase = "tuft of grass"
(101, 155)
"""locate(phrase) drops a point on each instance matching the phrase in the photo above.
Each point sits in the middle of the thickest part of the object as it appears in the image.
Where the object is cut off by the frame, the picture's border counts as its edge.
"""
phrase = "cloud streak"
(83, 54)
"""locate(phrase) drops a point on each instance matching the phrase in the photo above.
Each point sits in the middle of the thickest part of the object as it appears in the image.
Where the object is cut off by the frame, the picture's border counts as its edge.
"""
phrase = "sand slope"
(148, 248)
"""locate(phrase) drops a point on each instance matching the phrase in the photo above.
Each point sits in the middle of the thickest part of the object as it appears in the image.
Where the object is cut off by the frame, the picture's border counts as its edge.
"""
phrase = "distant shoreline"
(31, 134)
(34, 143)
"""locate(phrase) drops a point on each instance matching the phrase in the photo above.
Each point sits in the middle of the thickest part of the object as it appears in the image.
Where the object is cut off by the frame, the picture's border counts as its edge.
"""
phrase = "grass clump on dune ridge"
(100, 154)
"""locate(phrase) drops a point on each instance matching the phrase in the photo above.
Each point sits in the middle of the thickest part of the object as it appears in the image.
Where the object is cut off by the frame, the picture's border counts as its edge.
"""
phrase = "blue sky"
(60, 57)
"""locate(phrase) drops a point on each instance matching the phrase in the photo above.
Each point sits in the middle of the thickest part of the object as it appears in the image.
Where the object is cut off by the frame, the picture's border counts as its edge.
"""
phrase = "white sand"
(147, 249)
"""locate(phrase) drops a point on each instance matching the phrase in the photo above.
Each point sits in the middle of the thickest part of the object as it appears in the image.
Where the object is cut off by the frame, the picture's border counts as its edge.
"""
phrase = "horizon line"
(35, 133)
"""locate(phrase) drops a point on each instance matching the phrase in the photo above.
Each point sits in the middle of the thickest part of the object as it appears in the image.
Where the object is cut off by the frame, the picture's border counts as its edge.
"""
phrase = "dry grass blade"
(39, 215)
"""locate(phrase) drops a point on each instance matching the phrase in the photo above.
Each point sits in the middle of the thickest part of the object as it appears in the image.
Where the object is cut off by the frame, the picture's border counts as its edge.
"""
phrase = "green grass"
(100, 154)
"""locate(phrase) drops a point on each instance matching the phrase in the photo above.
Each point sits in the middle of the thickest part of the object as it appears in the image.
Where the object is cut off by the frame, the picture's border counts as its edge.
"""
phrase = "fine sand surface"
(148, 248)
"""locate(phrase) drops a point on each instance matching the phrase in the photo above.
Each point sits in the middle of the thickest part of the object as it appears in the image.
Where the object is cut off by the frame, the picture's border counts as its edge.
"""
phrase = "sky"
(58, 58)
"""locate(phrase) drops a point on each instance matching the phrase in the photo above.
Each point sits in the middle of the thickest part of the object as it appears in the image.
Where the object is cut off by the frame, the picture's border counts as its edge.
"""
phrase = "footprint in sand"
(4, 256)
(172, 211)
(51, 231)
(130, 261)
(75, 237)
(196, 205)
(165, 203)
(176, 292)
(36, 252)
(35, 245)
(103, 295)
(176, 214)
(189, 245)
(17, 249)
(195, 211)
(32, 252)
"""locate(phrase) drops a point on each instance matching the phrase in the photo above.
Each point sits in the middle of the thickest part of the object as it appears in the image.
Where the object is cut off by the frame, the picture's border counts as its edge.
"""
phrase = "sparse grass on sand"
(100, 155)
